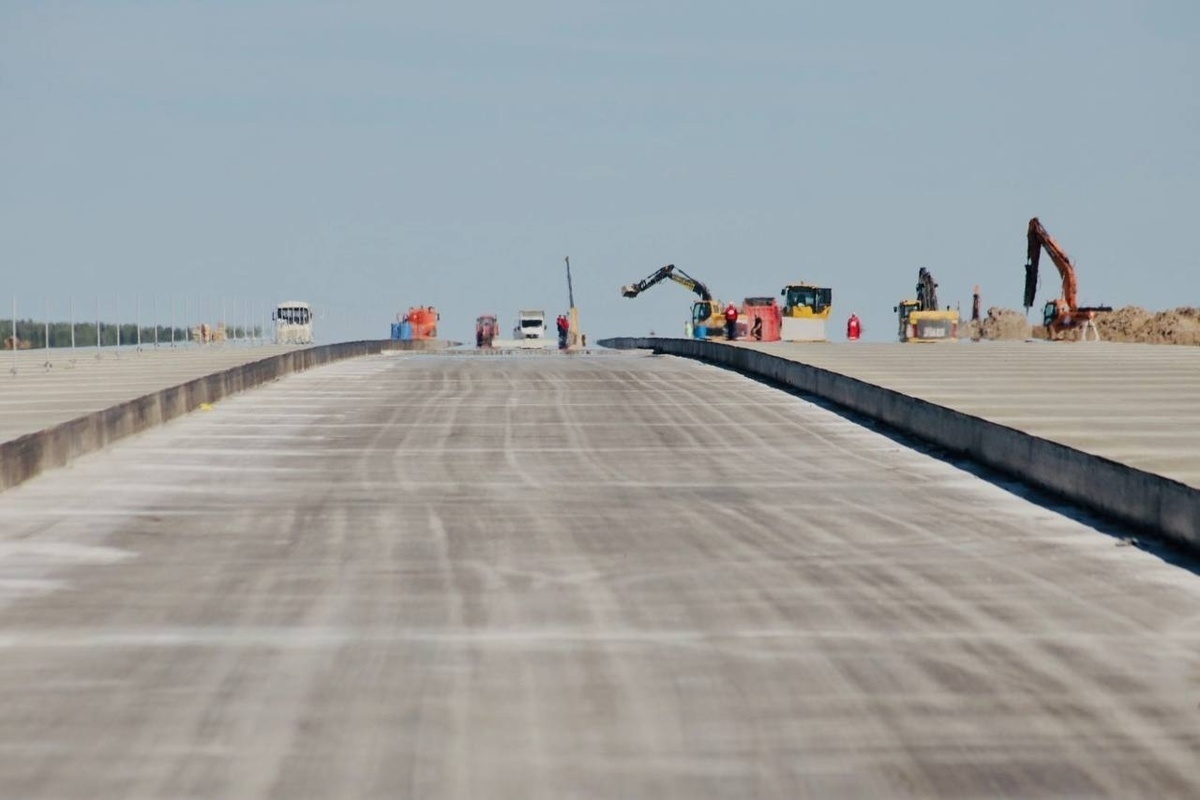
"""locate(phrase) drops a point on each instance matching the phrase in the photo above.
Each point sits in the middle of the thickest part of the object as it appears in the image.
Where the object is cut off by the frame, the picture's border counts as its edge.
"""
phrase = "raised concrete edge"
(1150, 502)
(28, 456)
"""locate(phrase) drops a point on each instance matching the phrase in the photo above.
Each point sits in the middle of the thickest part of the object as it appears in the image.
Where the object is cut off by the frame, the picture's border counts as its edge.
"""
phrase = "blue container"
(395, 330)
(406, 331)
(700, 332)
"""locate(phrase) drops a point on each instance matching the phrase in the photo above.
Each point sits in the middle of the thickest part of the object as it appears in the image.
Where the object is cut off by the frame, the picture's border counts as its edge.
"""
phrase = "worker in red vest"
(853, 328)
(564, 327)
(731, 315)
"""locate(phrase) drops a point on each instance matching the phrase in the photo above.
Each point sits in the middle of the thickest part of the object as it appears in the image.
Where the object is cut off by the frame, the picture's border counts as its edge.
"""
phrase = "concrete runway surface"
(618, 577)
(43, 388)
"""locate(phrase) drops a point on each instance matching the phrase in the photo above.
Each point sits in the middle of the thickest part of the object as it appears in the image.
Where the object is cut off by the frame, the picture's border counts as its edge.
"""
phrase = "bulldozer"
(921, 320)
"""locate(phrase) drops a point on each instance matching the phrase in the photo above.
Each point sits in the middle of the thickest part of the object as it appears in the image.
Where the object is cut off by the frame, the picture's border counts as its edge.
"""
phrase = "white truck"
(530, 325)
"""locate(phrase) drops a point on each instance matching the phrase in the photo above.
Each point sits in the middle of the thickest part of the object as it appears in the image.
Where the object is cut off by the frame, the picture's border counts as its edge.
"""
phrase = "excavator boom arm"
(661, 274)
(1039, 239)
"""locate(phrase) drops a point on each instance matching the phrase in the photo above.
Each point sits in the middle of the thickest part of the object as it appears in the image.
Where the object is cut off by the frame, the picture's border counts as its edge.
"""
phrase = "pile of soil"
(1134, 324)
(1128, 324)
(1000, 323)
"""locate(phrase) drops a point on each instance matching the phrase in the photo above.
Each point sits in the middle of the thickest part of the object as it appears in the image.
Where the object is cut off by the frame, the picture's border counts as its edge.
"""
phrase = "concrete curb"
(1150, 502)
(34, 453)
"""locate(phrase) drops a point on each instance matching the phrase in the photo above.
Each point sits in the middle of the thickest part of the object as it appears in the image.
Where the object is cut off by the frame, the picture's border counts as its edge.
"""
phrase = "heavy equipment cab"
(803, 300)
(1063, 313)
(921, 320)
(707, 313)
(806, 309)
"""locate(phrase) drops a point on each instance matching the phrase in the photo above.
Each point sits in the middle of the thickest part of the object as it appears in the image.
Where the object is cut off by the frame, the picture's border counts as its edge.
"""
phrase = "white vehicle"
(530, 325)
(293, 323)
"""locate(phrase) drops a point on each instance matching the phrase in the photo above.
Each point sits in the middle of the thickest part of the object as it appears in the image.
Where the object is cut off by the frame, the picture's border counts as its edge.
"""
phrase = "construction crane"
(1062, 314)
(705, 312)
(574, 337)
(921, 320)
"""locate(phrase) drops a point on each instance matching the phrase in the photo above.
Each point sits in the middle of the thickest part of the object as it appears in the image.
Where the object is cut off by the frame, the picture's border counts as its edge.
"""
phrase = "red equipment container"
(765, 309)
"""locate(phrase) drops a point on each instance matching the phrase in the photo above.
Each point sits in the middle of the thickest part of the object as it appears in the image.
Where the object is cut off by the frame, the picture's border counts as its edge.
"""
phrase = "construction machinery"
(531, 324)
(1063, 314)
(486, 329)
(574, 337)
(806, 310)
(708, 315)
(760, 320)
(418, 323)
(922, 320)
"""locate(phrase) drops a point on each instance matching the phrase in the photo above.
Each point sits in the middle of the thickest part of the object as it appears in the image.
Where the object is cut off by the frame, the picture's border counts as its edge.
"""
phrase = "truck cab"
(530, 325)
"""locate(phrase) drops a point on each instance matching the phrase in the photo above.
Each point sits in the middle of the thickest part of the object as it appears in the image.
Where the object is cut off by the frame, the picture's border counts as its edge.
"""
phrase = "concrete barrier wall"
(30, 455)
(1150, 502)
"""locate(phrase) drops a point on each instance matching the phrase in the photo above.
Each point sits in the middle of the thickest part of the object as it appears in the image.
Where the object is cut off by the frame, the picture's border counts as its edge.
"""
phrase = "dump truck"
(921, 320)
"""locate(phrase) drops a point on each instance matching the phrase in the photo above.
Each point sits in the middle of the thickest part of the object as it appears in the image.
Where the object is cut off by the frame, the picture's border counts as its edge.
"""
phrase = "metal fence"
(136, 321)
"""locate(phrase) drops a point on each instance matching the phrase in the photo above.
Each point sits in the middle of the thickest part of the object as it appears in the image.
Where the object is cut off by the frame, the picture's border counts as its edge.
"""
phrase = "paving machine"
(806, 310)
(1063, 314)
(921, 320)
(708, 315)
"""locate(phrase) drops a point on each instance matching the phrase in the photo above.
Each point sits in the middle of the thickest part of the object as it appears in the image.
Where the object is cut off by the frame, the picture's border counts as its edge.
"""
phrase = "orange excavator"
(1062, 314)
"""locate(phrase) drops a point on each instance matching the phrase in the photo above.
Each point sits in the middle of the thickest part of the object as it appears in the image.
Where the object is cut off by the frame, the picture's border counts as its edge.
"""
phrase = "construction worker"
(731, 316)
(756, 328)
(853, 328)
(564, 327)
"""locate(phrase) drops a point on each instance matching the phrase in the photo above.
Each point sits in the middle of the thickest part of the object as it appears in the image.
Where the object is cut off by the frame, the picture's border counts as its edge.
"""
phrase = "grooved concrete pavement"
(57, 385)
(1132, 403)
(624, 577)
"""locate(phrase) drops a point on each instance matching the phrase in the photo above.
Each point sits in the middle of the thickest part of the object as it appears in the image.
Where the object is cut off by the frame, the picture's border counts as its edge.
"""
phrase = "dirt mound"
(1134, 324)
(1000, 323)
(1128, 324)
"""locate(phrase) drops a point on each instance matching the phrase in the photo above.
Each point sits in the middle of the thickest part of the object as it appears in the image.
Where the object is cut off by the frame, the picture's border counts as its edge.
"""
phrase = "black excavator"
(705, 311)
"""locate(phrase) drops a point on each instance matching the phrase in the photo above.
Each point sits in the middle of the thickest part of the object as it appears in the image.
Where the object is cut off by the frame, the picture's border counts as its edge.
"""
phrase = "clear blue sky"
(370, 156)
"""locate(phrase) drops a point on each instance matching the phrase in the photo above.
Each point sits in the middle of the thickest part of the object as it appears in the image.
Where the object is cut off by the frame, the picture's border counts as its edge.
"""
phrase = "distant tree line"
(33, 332)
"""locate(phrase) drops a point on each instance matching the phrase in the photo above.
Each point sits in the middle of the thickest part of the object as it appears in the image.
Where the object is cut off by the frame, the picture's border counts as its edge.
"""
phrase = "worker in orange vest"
(853, 328)
(731, 315)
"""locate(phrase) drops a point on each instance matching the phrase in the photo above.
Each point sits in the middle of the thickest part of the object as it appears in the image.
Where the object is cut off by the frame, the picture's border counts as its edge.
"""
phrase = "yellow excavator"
(707, 313)
(921, 320)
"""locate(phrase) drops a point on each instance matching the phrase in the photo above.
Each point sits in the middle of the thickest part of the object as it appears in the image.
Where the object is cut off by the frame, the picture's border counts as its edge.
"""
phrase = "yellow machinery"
(921, 320)
(806, 310)
(708, 315)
